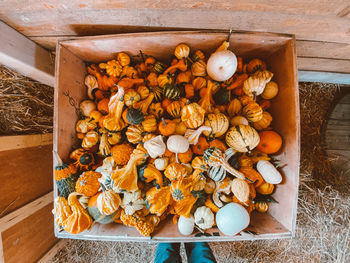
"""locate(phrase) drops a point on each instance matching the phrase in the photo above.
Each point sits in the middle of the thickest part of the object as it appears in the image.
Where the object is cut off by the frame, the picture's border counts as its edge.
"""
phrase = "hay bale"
(26, 106)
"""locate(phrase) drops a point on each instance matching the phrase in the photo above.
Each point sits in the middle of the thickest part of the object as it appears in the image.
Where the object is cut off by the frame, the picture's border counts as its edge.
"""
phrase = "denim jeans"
(197, 252)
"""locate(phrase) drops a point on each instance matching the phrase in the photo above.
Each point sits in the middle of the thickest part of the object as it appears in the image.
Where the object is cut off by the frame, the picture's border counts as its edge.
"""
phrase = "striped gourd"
(158, 93)
(234, 107)
(159, 67)
(253, 112)
(242, 138)
(264, 122)
(192, 115)
(171, 92)
(134, 133)
(174, 109)
(96, 214)
(217, 173)
(219, 124)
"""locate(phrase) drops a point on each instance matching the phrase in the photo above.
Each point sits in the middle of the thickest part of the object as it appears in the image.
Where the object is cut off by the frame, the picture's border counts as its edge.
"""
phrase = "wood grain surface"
(25, 175)
(29, 239)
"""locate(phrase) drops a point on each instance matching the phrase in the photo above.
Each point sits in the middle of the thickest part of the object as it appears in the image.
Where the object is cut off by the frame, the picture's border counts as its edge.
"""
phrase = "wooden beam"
(63, 20)
(20, 214)
(24, 56)
(53, 251)
(326, 77)
(324, 64)
(320, 49)
(24, 141)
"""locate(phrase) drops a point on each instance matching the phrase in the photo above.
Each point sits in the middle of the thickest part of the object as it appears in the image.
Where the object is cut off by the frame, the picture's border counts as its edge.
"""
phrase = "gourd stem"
(163, 120)
(177, 160)
(229, 35)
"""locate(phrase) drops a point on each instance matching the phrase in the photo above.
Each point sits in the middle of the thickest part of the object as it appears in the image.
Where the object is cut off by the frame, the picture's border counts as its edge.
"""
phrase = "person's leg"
(168, 253)
(199, 252)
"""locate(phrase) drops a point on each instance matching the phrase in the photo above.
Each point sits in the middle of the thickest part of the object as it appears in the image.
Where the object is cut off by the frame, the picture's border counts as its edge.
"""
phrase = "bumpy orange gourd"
(175, 171)
(201, 146)
(185, 157)
(88, 183)
(167, 127)
(192, 115)
(121, 153)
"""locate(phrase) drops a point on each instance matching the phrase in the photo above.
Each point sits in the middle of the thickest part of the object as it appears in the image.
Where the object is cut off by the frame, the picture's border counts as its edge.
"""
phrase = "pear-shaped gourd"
(155, 146)
(185, 225)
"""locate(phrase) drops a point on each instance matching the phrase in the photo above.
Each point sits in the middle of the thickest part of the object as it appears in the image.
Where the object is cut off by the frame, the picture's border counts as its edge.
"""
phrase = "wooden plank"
(319, 49)
(53, 251)
(20, 214)
(30, 238)
(315, 7)
(323, 64)
(25, 174)
(326, 77)
(24, 56)
(24, 141)
(64, 20)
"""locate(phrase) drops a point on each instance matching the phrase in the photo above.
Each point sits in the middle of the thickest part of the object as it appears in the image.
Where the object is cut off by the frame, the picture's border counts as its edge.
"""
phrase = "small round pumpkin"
(199, 69)
(164, 79)
(185, 157)
(264, 122)
(175, 171)
(192, 115)
(174, 109)
(88, 183)
(156, 109)
(134, 133)
(270, 142)
(242, 138)
(198, 55)
(265, 189)
(123, 59)
(134, 116)
(219, 124)
(270, 91)
(143, 91)
(102, 106)
(121, 153)
(234, 107)
(199, 83)
(237, 120)
(253, 112)
(150, 123)
(261, 206)
(167, 127)
(201, 146)
(218, 144)
(182, 51)
(171, 92)
(131, 96)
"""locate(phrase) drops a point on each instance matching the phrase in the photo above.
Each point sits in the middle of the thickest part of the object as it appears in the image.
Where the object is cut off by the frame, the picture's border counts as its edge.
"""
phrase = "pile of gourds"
(189, 140)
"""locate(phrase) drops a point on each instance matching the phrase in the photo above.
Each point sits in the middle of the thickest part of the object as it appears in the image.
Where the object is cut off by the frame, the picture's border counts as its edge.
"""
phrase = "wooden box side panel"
(22, 179)
(162, 44)
(286, 121)
(69, 92)
(29, 239)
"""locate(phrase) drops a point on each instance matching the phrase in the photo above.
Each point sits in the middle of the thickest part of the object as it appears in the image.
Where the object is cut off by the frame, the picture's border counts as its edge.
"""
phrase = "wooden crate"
(279, 53)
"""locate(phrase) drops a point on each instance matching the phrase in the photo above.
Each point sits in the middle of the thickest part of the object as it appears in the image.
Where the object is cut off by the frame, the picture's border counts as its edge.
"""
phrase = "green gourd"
(96, 214)
(222, 96)
(134, 116)
(159, 67)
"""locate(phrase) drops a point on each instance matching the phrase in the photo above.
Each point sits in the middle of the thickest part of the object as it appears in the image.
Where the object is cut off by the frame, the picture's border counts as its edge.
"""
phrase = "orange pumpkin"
(102, 106)
(252, 175)
(201, 146)
(185, 157)
(167, 127)
(270, 142)
(218, 144)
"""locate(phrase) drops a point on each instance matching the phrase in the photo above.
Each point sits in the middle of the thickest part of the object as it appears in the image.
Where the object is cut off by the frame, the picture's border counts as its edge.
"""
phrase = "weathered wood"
(320, 49)
(53, 251)
(326, 77)
(24, 141)
(64, 20)
(315, 7)
(25, 174)
(324, 64)
(24, 56)
(20, 214)
(30, 238)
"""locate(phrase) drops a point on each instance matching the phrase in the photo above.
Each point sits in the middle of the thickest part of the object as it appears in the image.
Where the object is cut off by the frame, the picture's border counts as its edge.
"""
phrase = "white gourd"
(161, 163)
(155, 146)
(185, 225)
(204, 217)
(269, 172)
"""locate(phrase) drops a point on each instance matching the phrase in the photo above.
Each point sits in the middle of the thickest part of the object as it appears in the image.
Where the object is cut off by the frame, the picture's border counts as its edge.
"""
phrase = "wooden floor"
(337, 135)
(321, 27)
